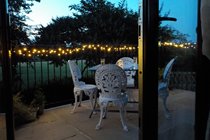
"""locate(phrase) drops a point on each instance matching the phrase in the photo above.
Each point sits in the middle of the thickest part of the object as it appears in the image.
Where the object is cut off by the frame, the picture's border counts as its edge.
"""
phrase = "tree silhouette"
(93, 21)
(18, 9)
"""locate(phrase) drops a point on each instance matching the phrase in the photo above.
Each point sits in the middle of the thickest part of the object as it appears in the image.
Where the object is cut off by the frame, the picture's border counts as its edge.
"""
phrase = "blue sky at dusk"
(43, 12)
(186, 13)
(184, 10)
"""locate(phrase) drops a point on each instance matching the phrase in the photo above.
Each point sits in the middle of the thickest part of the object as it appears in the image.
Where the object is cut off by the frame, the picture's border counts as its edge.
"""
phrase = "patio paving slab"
(2, 126)
(60, 124)
(181, 103)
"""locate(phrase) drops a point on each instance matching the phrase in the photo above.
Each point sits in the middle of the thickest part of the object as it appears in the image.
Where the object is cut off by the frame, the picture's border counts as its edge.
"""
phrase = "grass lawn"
(39, 73)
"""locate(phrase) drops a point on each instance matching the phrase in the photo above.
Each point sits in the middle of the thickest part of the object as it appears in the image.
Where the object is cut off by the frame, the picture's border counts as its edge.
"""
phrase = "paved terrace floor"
(59, 124)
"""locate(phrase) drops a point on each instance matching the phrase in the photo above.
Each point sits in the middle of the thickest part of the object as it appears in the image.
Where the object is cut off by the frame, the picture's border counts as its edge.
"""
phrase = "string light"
(177, 45)
(36, 51)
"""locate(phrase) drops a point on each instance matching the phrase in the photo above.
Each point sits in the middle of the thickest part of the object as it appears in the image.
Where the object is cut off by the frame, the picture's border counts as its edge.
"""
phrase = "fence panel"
(183, 80)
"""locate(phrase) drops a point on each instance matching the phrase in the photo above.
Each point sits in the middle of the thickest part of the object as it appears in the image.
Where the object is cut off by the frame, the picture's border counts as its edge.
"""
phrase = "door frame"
(148, 70)
(6, 69)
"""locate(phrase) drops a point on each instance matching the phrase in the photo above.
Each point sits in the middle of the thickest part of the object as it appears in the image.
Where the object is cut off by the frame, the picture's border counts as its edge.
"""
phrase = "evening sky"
(184, 10)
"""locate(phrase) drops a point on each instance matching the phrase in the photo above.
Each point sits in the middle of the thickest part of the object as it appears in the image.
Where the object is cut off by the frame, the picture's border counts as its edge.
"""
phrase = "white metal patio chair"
(111, 81)
(81, 87)
(163, 90)
(130, 67)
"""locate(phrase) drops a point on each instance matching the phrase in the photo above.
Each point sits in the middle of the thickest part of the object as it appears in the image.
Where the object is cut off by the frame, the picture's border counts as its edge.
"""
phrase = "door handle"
(167, 19)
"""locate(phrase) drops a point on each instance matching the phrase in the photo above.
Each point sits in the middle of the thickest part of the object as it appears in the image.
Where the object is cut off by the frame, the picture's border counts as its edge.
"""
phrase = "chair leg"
(80, 98)
(105, 110)
(75, 101)
(122, 117)
(76, 94)
(165, 108)
(102, 110)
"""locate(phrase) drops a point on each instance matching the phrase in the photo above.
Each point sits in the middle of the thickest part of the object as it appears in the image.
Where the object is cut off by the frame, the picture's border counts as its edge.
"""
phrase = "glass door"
(177, 53)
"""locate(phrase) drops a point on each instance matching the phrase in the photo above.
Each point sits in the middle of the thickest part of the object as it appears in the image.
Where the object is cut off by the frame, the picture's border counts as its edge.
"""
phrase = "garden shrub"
(22, 113)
